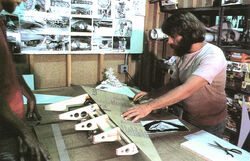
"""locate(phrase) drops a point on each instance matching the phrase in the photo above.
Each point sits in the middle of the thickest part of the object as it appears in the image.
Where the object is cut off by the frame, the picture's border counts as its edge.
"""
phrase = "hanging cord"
(127, 74)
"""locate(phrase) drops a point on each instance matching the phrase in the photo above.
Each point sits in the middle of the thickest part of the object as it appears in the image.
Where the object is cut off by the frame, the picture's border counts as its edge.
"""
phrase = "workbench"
(80, 148)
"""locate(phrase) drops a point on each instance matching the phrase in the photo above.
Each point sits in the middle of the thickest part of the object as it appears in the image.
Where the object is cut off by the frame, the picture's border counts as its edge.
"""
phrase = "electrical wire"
(129, 77)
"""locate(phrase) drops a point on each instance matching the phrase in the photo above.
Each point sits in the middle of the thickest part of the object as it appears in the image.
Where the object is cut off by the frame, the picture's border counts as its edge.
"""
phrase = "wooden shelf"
(220, 11)
(235, 49)
(204, 11)
(235, 90)
(237, 10)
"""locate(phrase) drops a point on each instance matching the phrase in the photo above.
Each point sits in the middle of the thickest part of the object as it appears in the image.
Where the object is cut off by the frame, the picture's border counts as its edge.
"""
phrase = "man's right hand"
(35, 150)
(32, 113)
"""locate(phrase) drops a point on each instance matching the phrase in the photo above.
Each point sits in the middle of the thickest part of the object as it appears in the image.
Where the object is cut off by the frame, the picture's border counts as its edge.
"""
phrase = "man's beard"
(183, 47)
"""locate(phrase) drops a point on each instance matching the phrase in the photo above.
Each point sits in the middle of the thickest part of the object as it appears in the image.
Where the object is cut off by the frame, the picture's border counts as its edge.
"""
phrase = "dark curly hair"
(185, 24)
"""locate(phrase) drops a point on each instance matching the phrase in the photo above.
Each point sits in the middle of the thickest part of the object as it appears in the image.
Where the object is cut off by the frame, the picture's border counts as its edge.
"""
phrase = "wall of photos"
(76, 27)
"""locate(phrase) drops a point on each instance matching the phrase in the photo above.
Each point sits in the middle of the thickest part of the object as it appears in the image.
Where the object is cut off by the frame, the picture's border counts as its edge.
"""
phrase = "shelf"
(231, 131)
(204, 11)
(235, 49)
(213, 12)
(234, 90)
(237, 9)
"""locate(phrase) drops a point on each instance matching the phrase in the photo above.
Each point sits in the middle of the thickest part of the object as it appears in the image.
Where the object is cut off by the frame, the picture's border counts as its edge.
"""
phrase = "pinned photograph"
(42, 42)
(102, 27)
(81, 25)
(80, 43)
(57, 24)
(32, 24)
(61, 7)
(103, 9)
(102, 43)
(122, 9)
(123, 27)
(81, 7)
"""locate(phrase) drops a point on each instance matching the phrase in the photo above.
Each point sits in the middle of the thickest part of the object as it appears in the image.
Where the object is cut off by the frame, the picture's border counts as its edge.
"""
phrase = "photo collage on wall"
(76, 27)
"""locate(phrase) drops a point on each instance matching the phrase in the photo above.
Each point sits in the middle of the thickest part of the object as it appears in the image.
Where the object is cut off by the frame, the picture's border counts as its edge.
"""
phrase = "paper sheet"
(198, 144)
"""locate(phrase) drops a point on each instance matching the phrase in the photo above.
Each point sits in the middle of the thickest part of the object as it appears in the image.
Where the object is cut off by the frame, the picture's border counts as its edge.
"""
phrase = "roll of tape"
(157, 34)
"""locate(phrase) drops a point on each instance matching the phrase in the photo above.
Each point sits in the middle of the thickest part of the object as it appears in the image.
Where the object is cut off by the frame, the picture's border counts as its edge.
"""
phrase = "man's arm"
(13, 122)
(32, 112)
(158, 92)
(193, 84)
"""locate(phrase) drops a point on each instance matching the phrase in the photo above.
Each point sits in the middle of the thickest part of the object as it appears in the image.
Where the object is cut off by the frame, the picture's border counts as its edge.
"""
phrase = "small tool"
(217, 145)
(140, 98)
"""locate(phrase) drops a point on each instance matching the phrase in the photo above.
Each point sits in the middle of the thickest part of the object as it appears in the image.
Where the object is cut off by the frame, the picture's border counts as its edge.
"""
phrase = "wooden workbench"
(80, 148)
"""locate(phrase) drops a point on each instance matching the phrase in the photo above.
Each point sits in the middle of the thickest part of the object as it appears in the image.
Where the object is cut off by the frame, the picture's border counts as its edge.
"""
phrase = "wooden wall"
(52, 71)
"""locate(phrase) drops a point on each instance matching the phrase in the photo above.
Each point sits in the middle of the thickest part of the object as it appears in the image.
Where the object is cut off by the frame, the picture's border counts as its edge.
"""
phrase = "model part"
(135, 132)
(129, 149)
(105, 116)
(93, 124)
(66, 104)
(79, 113)
(107, 136)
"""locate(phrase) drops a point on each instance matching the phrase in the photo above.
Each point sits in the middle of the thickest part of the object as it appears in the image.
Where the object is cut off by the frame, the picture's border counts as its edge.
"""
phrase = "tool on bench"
(227, 150)
(140, 99)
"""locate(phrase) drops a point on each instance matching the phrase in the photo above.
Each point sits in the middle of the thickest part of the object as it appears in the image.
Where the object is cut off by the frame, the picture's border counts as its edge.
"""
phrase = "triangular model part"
(114, 105)
(64, 105)
(129, 149)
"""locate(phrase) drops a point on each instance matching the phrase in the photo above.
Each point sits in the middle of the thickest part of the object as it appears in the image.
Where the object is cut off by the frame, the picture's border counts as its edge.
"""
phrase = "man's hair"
(186, 25)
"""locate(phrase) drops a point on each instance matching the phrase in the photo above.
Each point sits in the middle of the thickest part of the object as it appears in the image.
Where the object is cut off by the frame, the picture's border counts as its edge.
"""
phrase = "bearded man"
(198, 78)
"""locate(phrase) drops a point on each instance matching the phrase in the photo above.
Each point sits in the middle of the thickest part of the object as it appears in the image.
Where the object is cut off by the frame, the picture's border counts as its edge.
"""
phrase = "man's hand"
(32, 113)
(137, 112)
(142, 93)
(35, 150)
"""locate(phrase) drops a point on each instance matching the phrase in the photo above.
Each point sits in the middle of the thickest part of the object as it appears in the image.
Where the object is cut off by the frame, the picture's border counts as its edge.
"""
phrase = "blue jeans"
(217, 130)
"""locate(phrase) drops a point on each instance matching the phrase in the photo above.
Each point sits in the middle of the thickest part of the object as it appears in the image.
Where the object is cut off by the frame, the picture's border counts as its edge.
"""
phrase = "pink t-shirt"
(208, 105)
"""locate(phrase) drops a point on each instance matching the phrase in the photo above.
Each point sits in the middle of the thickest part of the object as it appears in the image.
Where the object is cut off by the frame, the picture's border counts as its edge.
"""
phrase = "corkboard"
(84, 69)
(49, 70)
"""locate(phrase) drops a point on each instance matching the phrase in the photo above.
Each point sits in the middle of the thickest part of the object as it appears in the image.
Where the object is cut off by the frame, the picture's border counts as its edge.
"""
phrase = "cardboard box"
(204, 3)
(187, 3)
(195, 3)
(245, 2)
(234, 2)
(169, 5)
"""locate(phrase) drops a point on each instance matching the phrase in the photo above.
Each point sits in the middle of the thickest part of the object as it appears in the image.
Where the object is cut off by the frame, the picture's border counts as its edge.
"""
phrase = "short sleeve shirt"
(208, 105)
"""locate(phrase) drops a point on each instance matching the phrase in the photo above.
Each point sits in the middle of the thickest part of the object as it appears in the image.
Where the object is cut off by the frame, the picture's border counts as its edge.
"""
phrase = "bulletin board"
(76, 27)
